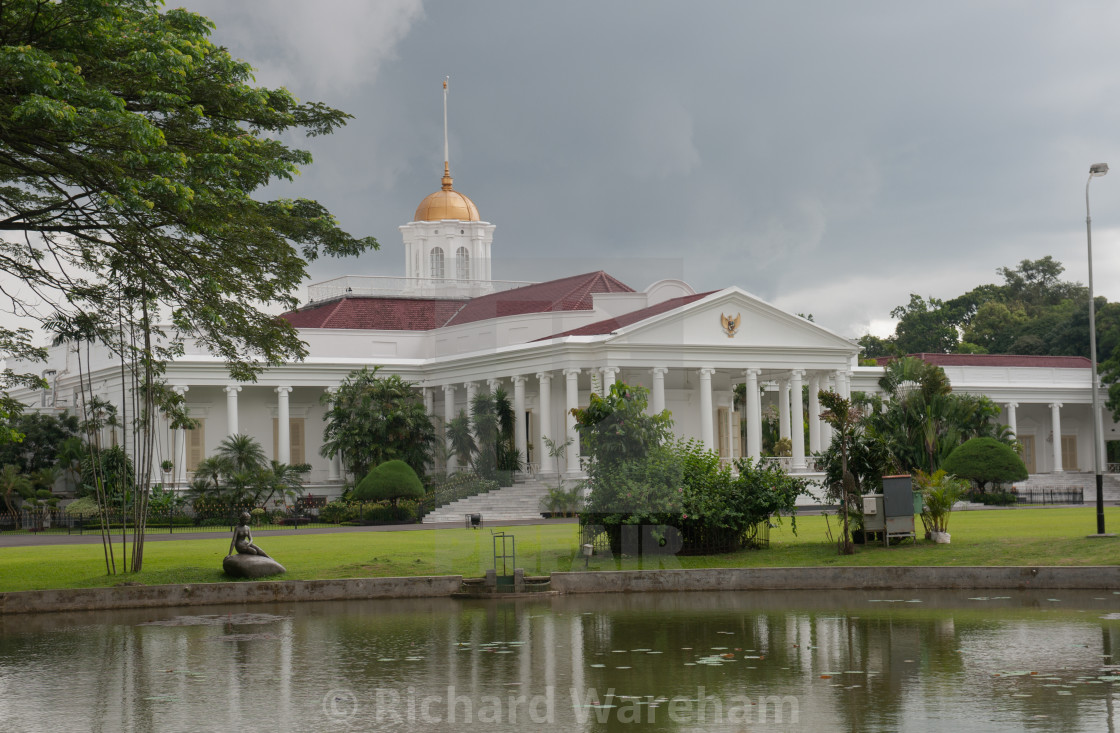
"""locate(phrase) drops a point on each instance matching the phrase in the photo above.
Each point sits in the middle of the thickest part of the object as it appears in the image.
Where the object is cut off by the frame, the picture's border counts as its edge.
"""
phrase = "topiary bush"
(391, 481)
(984, 461)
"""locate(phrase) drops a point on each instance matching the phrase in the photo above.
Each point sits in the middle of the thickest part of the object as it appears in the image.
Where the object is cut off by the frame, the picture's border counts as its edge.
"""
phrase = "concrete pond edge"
(1106, 577)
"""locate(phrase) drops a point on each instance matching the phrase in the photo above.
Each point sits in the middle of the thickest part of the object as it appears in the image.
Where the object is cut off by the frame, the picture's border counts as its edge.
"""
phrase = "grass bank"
(1020, 536)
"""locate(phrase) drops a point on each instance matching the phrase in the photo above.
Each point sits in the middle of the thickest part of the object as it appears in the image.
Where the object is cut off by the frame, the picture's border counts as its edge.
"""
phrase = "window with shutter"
(295, 440)
(196, 445)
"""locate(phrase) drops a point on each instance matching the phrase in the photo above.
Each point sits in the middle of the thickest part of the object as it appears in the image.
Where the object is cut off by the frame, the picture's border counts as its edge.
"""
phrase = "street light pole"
(1095, 170)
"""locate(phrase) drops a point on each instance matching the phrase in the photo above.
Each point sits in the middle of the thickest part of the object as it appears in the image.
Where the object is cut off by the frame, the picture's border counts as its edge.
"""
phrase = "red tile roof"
(610, 325)
(382, 314)
(997, 360)
(566, 294)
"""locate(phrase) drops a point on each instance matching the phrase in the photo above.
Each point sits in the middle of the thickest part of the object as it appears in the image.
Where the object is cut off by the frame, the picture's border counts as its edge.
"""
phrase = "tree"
(13, 485)
(131, 150)
(924, 326)
(922, 421)
(43, 439)
(461, 437)
(373, 419)
(391, 481)
(239, 474)
(984, 461)
(616, 428)
(844, 418)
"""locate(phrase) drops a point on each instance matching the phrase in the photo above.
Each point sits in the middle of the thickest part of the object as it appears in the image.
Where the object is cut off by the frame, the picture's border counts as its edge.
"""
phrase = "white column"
(429, 401)
(754, 415)
(231, 408)
(571, 401)
(706, 426)
(283, 420)
(797, 427)
(814, 414)
(545, 401)
(448, 416)
(843, 385)
(180, 470)
(519, 440)
(657, 399)
(1056, 428)
(493, 385)
(1012, 421)
(783, 409)
(608, 378)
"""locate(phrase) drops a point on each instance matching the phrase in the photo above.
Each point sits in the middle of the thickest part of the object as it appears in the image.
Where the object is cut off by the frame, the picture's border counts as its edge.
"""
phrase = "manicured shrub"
(336, 512)
(984, 461)
(402, 513)
(391, 481)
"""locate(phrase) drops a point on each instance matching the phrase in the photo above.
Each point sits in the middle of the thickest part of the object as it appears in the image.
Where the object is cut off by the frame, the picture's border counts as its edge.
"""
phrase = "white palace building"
(451, 329)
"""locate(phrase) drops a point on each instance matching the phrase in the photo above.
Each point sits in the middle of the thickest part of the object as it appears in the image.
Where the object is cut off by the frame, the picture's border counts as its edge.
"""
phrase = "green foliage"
(996, 498)
(1032, 312)
(336, 512)
(43, 437)
(86, 506)
(681, 484)
(112, 469)
(845, 419)
(561, 501)
(373, 419)
(405, 512)
(133, 147)
(463, 444)
(492, 419)
(391, 481)
(984, 461)
(240, 475)
(13, 485)
(616, 428)
(922, 421)
(940, 491)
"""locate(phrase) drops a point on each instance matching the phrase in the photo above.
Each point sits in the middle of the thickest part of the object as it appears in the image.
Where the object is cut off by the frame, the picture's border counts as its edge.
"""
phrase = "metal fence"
(1050, 496)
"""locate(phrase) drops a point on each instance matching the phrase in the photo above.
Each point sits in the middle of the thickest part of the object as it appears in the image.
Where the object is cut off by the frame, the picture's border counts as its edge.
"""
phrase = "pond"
(730, 661)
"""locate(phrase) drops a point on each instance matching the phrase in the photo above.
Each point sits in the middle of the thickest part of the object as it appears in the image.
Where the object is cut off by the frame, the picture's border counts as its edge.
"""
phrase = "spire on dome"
(447, 203)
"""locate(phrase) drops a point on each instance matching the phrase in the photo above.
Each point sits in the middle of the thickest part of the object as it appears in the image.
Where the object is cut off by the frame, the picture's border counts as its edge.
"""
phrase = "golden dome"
(446, 203)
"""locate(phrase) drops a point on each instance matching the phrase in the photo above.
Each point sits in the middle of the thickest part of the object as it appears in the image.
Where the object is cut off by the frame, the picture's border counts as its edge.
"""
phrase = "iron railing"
(1050, 496)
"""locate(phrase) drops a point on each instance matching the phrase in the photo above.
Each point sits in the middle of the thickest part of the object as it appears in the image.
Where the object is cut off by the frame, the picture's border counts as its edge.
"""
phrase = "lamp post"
(1095, 170)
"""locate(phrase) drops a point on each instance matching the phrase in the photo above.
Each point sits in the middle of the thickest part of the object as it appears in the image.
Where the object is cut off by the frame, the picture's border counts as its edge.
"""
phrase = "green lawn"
(1022, 536)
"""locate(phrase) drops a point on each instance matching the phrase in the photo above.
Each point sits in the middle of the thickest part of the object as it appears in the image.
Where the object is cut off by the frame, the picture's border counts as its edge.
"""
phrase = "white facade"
(689, 350)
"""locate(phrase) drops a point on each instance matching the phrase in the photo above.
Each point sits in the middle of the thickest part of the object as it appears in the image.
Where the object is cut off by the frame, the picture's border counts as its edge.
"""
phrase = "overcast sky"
(828, 157)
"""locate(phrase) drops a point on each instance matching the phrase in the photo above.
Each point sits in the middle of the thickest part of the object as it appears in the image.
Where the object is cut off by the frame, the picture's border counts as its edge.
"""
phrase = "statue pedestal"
(251, 566)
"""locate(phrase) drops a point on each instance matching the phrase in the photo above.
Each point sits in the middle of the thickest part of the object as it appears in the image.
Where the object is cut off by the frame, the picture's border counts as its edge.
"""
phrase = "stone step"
(520, 501)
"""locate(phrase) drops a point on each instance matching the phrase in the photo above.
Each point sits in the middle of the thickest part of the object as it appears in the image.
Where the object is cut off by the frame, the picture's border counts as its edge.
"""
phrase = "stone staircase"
(520, 501)
(1074, 480)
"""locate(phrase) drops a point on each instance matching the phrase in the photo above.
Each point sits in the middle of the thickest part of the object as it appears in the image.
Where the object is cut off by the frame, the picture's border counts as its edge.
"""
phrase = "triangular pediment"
(730, 317)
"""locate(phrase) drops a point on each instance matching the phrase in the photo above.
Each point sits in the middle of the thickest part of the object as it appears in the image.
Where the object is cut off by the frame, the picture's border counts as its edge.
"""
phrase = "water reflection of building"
(852, 660)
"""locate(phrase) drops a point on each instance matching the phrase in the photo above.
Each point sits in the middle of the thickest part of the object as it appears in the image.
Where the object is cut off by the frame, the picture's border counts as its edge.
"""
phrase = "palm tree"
(462, 440)
(243, 454)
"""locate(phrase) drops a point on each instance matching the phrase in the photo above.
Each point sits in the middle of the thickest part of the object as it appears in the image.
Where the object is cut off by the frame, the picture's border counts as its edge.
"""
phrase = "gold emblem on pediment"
(730, 324)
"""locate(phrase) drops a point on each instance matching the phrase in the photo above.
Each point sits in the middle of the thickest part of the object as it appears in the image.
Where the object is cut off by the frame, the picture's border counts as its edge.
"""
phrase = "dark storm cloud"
(828, 157)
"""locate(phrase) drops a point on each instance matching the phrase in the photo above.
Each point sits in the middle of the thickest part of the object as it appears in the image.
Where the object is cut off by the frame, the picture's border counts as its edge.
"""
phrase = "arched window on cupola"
(437, 263)
(462, 264)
